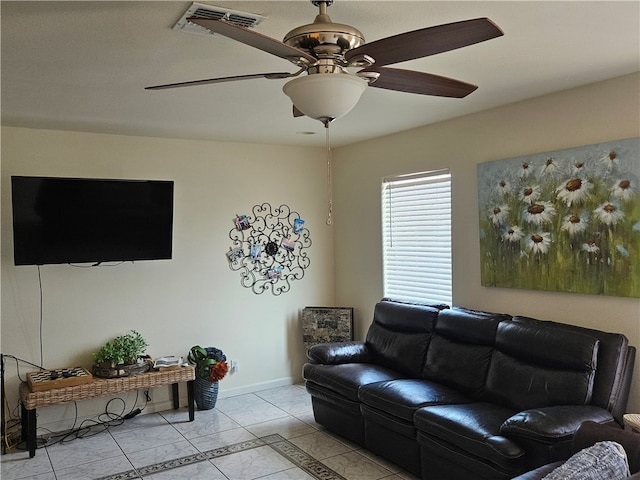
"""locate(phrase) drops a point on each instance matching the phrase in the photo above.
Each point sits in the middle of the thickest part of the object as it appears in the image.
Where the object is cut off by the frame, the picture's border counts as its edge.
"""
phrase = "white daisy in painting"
(623, 190)
(504, 187)
(550, 167)
(578, 168)
(530, 194)
(539, 242)
(575, 190)
(574, 224)
(591, 247)
(513, 234)
(610, 160)
(499, 214)
(525, 170)
(539, 213)
(608, 213)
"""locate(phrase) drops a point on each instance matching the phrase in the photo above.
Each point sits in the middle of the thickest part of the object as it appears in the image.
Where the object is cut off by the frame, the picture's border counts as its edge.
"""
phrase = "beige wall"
(597, 113)
(192, 299)
(195, 298)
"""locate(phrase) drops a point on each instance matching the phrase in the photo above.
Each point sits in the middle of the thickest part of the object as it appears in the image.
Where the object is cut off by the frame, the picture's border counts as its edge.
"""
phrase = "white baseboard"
(256, 387)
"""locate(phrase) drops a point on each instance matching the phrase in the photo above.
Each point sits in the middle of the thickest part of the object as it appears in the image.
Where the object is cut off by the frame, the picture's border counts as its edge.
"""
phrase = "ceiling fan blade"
(421, 83)
(427, 41)
(208, 81)
(256, 40)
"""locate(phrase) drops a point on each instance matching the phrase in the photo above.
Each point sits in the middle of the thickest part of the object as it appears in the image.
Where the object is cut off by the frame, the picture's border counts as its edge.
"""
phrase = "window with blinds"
(416, 237)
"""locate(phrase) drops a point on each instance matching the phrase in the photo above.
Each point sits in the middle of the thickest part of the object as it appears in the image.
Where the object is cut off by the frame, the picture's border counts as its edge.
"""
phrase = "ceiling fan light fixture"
(325, 97)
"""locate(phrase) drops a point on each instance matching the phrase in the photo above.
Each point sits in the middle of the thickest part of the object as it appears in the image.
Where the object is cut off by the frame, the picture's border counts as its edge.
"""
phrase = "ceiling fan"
(326, 50)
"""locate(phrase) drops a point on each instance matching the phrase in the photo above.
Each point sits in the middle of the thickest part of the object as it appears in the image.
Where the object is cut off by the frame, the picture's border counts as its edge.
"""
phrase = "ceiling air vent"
(241, 19)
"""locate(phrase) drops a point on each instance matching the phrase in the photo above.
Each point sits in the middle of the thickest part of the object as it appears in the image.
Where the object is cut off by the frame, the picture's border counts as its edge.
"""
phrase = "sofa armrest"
(550, 424)
(337, 353)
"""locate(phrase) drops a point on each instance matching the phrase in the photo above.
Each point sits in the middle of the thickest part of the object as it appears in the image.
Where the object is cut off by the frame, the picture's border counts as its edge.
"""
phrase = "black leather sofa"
(453, 393)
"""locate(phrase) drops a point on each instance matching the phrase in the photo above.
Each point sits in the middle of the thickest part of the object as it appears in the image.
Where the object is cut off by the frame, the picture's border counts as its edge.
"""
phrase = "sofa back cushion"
(534, 365)
(399, 336)
(461, 348)
(610, 386)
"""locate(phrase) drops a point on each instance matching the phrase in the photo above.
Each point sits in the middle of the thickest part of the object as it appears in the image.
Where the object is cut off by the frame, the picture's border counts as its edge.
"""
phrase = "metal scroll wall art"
(269, 248)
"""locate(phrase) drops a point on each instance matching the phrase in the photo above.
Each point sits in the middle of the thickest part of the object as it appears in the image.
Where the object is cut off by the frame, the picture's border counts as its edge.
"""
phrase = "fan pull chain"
(329, 178)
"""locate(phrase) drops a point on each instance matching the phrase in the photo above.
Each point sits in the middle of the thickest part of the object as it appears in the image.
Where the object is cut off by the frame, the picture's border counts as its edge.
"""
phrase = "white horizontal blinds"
(416, 235)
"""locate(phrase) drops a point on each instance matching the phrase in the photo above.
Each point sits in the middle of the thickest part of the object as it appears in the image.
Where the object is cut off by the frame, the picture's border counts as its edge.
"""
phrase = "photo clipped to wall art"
(566, 221)
(298, 225)
(242, 222)
(256, 251)
(235, 254)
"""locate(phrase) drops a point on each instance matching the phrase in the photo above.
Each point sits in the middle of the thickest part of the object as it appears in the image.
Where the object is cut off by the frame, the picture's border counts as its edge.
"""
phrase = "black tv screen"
(79, 220)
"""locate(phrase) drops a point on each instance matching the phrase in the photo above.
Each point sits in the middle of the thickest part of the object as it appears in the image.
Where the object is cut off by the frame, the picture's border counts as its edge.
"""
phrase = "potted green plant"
(120, 357)
(132, 345)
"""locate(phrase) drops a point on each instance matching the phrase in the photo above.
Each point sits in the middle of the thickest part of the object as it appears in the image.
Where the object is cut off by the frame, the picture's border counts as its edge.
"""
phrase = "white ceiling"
(83, 65)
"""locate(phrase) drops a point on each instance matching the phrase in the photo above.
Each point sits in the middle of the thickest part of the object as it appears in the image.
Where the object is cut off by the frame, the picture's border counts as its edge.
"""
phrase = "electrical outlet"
(234, 366)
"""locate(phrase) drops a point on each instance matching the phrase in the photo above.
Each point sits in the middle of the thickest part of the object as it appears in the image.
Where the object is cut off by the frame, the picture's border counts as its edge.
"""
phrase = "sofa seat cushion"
(346, 379)
(401, 398)
(474, 428)
(331, 399)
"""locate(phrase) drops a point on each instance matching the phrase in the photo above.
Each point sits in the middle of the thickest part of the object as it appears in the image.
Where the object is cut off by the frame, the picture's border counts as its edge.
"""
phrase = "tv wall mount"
(269, 248)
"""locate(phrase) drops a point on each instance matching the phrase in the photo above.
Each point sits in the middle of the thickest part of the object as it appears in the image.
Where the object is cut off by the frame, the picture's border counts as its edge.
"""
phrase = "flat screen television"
(79, 220)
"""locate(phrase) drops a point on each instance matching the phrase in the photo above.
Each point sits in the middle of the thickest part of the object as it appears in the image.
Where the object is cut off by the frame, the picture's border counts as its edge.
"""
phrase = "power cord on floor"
(90, 427)
(12, 426)
(12, 430)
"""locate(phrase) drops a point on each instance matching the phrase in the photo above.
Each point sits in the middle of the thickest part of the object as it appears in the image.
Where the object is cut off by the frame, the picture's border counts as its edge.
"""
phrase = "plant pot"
(110, 370)
(205, 393)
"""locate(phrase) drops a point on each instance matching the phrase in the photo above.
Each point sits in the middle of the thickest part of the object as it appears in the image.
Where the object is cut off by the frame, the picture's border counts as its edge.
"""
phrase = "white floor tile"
(142, 438)
(206, 423)
(78, 451)
(287, 427)
(143, 420)
(96, 469)
(249, 409)
(161, 453)
(250, 464)
(353, 466)
(222, 439)
(319, 445)
(292, 474)
(197, 471)
(17, 464)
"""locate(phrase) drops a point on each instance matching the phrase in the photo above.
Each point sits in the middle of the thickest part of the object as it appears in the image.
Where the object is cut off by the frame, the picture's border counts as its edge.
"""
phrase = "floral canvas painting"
(565, 221)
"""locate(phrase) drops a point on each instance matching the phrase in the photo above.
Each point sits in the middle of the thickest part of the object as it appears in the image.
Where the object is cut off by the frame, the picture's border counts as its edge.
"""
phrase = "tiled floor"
(269, 435)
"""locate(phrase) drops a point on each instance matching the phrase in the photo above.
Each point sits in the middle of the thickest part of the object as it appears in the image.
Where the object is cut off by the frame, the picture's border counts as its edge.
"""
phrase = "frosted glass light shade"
(325, 96)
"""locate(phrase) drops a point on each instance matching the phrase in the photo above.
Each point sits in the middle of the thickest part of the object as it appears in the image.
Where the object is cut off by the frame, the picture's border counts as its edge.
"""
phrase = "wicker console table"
(100, 387)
